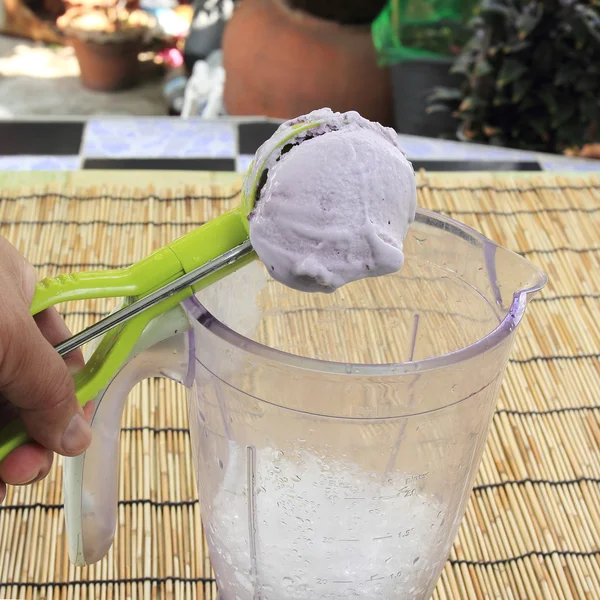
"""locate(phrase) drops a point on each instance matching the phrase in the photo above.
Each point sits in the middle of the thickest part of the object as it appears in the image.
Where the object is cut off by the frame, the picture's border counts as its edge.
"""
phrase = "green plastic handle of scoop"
(161, 267)
(140, 279)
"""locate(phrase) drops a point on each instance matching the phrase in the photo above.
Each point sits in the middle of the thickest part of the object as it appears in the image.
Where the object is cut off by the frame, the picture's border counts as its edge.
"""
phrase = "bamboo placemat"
(532, 528)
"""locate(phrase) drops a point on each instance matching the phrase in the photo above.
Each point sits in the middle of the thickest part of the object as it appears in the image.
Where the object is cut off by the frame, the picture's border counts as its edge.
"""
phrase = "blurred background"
(506, 73)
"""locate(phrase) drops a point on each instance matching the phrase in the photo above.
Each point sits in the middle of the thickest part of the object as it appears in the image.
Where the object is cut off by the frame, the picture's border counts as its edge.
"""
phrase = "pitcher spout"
(511, 276)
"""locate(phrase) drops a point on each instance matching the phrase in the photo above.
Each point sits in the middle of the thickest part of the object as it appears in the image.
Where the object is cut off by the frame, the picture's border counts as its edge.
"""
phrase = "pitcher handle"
(91, 480)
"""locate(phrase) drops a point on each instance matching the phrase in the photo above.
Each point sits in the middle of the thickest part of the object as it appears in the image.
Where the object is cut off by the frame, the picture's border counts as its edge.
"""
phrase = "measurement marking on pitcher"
(411, 395)
(349, 540)
(251, 483)
(376, 577)
(414, 478)
(383, 537)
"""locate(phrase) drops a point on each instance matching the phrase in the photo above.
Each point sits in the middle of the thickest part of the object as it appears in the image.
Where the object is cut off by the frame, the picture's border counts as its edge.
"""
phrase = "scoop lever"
(170, 289)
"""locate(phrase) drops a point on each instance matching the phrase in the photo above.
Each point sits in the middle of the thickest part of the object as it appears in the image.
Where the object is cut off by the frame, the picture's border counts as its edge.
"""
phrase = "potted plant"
(419, 40)
(107, 37)
(530, 76)
(32, 19)
(283, 58)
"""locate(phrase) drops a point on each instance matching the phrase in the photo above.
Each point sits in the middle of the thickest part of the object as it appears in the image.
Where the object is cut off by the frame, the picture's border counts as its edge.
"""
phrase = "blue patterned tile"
(568, 164)
(243, 162)
(419, 148)
(158, 138)
(39, 163)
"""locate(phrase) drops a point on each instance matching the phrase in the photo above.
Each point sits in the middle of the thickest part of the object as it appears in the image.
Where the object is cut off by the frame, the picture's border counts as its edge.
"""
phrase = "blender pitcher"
(336, 437)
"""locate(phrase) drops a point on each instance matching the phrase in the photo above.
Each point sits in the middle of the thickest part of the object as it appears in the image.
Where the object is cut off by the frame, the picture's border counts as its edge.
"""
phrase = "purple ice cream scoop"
(334, 204)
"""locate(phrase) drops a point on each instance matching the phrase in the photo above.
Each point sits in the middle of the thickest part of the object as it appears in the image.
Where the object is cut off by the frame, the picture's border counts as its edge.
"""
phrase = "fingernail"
(29, 480)
(88, 411)
(77, 436)
(74, 369)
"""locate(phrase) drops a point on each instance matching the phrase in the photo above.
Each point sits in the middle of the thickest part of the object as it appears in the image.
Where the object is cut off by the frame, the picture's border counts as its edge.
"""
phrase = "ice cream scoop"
(333, 204)
(327, 200)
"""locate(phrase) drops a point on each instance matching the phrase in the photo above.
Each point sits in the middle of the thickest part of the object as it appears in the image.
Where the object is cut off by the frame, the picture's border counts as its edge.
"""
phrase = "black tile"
(161, 164)
(475, 165)
(49, 138)
(253, 135)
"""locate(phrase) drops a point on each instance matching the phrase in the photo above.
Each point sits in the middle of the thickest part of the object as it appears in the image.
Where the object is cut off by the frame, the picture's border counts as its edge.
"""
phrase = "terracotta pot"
(107, 46)
(110, 66)
(283, 63)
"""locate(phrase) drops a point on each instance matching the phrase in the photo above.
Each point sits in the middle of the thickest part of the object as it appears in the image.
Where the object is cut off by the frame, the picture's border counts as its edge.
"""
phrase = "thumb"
(33, 376)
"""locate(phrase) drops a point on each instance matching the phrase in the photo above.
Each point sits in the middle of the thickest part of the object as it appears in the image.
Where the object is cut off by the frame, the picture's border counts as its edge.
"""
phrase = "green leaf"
(483, 68)
(588, 84)
(571, 135)
(467, 104)
(511, 70)
(495, 8)
(589, 108)
(437, 108)
(475, 22)
(541, 128)
(516, 133)
(527, 21)
(529, 102)
(463, 64)
(590, 19)
(516, 47)
(563, 114)
(564, 47)
(501, 99)
(445, 94)
(520, 89)
(544, 57)
(578, 28)
(566, 74)
(548, 97)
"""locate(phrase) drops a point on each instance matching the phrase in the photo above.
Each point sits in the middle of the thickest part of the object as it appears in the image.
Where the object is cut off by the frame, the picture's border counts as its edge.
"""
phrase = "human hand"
(36, 383)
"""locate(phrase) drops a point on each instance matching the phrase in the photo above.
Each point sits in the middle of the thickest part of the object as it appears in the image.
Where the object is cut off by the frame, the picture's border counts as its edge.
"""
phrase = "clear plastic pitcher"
(336, 437)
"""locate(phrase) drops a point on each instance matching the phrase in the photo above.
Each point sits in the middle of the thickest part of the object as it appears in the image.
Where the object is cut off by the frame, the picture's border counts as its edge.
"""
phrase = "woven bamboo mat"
(532, 528)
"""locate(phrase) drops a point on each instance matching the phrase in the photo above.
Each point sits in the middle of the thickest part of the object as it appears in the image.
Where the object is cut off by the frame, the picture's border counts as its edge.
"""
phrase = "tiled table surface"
(169, 143)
